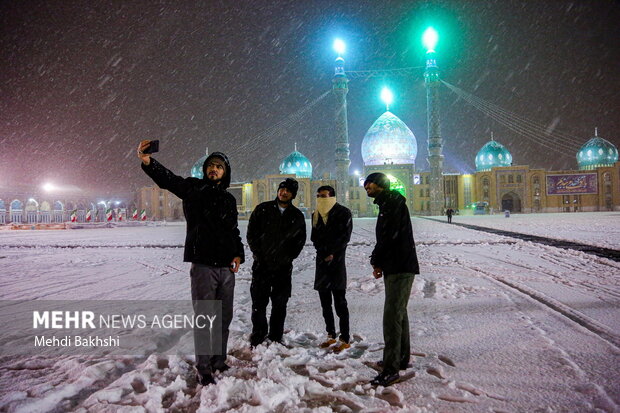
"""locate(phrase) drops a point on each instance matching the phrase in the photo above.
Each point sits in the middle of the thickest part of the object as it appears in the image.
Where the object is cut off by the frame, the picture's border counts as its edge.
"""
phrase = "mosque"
(499, 184)
(389, 146)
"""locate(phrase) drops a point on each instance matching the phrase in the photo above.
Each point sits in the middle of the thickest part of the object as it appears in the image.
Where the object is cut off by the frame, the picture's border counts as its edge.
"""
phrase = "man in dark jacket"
(276, 236)
(331, 232)
(449, 213)
(212, 243)
(394, 257)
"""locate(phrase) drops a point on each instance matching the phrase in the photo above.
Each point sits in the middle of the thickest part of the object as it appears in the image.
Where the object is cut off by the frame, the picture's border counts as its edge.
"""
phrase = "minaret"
(435, 156)
(340, 89)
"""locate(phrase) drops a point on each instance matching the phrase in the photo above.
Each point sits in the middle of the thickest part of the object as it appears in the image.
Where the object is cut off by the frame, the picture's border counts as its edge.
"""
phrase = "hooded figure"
(212, 244)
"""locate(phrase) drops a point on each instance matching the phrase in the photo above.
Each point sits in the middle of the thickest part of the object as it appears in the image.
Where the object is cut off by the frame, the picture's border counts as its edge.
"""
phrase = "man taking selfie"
(212, 243)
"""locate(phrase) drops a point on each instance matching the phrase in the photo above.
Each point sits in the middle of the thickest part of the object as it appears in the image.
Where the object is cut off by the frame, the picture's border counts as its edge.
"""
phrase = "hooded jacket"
(212, 236)
(395, 250)
(276, 238)
(332, 239)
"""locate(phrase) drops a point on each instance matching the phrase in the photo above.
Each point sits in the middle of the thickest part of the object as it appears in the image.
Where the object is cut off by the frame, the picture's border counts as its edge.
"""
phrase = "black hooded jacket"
(276, 238)
(395, 250)
(210, 211)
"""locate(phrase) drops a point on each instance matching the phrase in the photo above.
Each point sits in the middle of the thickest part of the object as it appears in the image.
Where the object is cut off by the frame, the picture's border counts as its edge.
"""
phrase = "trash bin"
(507, 213)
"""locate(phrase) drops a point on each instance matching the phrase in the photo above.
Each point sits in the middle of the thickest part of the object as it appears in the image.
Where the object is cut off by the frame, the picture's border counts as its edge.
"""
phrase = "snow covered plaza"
(498, 324)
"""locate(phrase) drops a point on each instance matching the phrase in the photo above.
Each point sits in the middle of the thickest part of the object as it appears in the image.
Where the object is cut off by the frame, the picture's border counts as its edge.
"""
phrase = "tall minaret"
(340, 89)
(435, 156)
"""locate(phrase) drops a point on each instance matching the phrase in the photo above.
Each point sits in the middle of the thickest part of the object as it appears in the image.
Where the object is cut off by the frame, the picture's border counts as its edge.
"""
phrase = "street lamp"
(48, 187)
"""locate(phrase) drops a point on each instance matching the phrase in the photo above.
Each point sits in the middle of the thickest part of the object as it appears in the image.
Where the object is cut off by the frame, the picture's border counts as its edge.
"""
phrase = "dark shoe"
(221, 367)
(204, 378)
(385, 380)
(256, 340)
(402, 366)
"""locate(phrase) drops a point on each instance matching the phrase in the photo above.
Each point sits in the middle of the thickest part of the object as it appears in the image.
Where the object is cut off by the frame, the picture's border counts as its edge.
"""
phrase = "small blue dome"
(296, 163)
(389, 140)
(491, 155)
(597, 152)
(196, 170)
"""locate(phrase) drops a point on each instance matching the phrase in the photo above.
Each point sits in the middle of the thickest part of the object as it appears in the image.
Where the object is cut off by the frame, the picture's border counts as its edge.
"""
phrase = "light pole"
(435, 144)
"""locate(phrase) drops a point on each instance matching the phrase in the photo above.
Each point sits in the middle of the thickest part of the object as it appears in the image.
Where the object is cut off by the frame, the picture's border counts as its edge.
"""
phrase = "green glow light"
(430, 38)
(339, 47)
(386, 96)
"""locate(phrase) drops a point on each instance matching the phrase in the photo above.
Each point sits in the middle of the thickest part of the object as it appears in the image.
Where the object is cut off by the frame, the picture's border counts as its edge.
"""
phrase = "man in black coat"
(276, 236)
(395, 259)
(449, 213)
(212, 243)
(331, 232)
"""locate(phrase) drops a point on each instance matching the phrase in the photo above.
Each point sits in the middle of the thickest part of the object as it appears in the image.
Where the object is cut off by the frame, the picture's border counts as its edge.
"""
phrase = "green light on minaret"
(339, 47)
(387, 97)
(430, 38)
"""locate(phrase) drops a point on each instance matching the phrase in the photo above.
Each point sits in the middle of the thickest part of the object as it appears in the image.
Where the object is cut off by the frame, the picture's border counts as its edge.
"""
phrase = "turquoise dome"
(597, 152)
(196, 170)
(389, 141)
(296, 164)
(491, 155)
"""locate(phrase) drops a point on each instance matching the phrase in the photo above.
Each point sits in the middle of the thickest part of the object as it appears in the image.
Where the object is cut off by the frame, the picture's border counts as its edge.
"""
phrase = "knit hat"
(290, 184)
(378, 178)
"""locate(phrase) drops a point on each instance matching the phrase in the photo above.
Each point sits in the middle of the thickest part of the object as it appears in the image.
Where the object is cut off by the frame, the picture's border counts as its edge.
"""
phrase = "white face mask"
(323, 206)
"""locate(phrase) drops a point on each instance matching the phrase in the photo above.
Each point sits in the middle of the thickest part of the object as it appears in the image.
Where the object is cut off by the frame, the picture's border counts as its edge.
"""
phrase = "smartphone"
(152, 148)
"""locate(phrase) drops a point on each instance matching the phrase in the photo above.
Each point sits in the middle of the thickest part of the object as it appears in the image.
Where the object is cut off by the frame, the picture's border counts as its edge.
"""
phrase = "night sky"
(82, 82)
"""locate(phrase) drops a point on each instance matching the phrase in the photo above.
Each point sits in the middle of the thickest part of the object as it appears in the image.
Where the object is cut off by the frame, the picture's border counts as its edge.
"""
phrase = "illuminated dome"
(597, 152)
(297, 164)
(196, 170)
(389, 141)
(491, 155)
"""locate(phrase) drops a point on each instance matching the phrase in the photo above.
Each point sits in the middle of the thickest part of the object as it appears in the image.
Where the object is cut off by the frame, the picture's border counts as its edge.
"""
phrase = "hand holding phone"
(152, 148)
(145, 149)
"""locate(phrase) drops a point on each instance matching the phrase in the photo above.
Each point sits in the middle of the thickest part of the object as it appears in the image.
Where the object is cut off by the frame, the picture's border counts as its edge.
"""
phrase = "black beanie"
(290, 184)
(378, 179)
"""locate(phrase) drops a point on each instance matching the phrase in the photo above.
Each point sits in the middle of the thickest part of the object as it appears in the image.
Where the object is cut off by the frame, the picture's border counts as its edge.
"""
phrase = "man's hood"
(225, 182)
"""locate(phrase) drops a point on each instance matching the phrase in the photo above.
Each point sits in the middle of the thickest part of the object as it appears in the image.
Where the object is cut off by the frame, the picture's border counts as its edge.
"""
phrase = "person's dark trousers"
(342, 311)
(214, 283)
(449, 219)
(274, 286)
(396, 322)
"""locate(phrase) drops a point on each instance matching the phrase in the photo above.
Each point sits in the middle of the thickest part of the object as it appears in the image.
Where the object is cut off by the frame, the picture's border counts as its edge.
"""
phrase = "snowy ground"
(497, 324)
(593, 228)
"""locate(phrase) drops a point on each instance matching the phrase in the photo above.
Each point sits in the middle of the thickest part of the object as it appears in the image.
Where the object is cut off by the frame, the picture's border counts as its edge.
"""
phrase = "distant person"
(331, 232)
(394, 258)
(449, 213)
(212, 244)
(276, 236)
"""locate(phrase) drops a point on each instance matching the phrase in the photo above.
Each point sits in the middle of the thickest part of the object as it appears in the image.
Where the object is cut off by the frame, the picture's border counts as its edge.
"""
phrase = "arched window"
(511, 179)
(519, 179)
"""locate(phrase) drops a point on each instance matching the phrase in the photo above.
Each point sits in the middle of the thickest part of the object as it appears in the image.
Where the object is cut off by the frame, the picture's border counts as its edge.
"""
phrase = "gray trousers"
(214, 283)
(396, 322)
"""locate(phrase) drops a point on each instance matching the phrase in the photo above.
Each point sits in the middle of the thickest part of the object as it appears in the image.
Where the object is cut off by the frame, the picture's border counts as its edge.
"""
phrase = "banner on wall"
(572, 184)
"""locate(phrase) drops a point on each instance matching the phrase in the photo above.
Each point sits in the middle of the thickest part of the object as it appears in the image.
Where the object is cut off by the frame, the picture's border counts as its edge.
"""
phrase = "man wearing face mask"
(276, 236)
(212, 244)
(331, 232)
